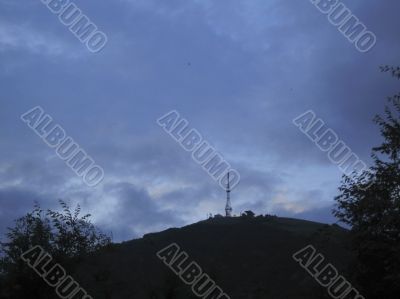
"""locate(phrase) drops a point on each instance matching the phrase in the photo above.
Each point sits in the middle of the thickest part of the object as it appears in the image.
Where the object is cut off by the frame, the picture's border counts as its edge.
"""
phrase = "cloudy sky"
(238, 71)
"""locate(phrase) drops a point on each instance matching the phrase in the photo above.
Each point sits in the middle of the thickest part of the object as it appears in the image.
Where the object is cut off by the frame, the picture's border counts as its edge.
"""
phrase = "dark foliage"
(374, 212)
(248, 214)
(66, 236)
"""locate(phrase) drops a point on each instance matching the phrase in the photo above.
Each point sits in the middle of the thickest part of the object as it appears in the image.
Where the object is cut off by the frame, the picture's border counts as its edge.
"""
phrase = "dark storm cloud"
(134, 212)
(238, 71)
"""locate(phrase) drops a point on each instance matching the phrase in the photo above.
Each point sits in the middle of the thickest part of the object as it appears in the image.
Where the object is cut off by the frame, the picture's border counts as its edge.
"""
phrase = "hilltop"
(247, 257)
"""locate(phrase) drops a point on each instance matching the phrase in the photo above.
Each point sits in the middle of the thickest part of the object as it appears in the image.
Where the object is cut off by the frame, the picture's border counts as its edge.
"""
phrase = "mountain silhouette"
(247, 257)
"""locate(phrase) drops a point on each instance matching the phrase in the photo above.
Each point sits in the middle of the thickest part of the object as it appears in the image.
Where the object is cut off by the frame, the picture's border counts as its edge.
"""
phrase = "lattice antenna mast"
(228, 207)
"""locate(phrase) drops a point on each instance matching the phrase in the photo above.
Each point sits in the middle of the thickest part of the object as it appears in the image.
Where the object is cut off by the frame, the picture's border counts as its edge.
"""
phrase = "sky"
(238, 71)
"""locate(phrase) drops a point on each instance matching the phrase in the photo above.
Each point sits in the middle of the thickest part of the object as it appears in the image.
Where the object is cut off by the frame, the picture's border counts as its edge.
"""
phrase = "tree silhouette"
(374, 212)
(248, 214)
(65, 235)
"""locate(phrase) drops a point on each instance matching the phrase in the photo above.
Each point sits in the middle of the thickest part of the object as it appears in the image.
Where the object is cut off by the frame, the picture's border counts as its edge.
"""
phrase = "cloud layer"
(238, 71)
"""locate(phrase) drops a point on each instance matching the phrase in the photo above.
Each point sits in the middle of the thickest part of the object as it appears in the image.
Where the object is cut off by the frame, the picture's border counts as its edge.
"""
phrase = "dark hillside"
(247, 257)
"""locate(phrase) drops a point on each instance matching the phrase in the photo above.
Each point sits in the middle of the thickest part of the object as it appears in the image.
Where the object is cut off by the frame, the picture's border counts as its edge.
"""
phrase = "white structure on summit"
(228, 207)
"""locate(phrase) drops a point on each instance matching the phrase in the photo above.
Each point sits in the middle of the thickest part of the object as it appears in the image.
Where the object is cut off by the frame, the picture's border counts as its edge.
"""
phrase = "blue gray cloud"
(238, 71)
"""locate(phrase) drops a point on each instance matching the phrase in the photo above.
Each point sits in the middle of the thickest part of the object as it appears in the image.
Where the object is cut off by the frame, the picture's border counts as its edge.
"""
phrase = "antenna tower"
(228, 207)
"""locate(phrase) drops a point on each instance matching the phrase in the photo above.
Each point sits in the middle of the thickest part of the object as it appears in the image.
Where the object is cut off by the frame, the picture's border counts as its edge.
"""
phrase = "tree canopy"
(65, 235)
(370, 204)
